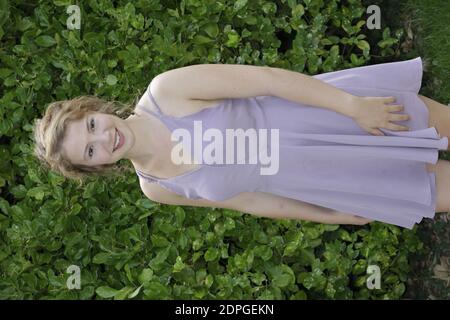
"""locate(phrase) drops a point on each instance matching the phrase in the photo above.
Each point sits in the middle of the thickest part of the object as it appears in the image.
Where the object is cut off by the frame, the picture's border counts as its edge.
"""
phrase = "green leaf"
(399, 290)
(160, 257)
(4, 72)
(326, 42)
(128, 272)
(111, 79)
(159, 241)
(239, 4)
(199, 39)
(363, 45)
(123, 293)
(233, 40)
(182, 241)
(101, 258)
(146, 204)
(135, 292)
(298, 11)
(211, 254)
(300, 295)
(179, 215)
(179, 265)
(145, 276)
(211, 29)
(229, 223)
(282, 276)
(45, 41)
(290, 249)
(61, 3)
(76, 209)
(197, 244)
(106, 292)
(173, 13)
(209, 280)
(156, 290)
(344, 235)
(37, 192)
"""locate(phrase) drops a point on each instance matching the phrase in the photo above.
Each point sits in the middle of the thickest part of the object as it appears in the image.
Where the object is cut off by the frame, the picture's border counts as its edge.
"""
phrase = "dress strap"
(147, 176)
(154, 101)
(159, 113)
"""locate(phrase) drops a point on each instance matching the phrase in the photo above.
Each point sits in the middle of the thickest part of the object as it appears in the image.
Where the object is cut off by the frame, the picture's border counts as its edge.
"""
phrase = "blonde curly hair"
(49, 132)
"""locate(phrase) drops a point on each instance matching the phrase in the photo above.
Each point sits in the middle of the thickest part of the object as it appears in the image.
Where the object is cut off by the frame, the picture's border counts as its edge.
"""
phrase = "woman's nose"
(104, 138)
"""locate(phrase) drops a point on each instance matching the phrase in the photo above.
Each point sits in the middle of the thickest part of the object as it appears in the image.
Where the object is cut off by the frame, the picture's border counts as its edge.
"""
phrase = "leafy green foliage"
(126, 246)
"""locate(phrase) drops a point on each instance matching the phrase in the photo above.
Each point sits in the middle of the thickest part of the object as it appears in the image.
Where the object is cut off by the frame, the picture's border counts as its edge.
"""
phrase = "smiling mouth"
(119, 140)
(114, 140)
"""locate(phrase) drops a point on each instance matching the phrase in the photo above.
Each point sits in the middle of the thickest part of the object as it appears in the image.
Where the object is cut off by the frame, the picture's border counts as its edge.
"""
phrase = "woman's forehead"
(74, 134)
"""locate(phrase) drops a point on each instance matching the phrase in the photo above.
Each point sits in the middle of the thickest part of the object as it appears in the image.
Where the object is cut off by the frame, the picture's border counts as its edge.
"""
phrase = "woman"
(354, 145)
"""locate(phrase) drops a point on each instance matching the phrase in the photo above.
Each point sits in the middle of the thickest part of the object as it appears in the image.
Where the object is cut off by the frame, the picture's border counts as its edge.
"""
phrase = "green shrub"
(125, 245)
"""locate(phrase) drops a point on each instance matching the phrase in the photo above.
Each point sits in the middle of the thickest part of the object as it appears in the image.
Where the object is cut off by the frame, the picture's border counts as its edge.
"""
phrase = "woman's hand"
(348, 218)
(371, 113)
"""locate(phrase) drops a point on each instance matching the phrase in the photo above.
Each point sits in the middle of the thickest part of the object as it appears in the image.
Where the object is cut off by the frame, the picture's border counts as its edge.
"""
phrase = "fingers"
(389, 99)
(398, 117)
(377, 132)
(397, 127)
(395, 107)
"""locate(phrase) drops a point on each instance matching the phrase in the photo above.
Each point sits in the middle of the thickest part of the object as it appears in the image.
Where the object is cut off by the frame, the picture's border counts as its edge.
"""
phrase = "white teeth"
(117, 141)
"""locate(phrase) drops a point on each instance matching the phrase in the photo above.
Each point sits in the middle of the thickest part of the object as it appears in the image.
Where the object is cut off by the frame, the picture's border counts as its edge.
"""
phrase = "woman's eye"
(92, 125)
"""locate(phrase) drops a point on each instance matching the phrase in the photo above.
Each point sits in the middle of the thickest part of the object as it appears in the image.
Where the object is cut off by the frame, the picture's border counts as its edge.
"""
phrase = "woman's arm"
(277, 207)
(260, 204)
(221, 81)
(305, 89)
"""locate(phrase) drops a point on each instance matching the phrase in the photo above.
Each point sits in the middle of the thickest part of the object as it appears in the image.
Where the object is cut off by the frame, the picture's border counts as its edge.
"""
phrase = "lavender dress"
(325, 158)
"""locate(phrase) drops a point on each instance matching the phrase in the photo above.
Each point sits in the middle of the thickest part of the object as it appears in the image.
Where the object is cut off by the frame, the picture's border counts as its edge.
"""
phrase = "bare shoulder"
(170, 104)
(178, 106)
(156, 193)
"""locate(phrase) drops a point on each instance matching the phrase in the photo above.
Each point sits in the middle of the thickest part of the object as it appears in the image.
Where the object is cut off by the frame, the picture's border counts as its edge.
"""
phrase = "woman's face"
(91, 139)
